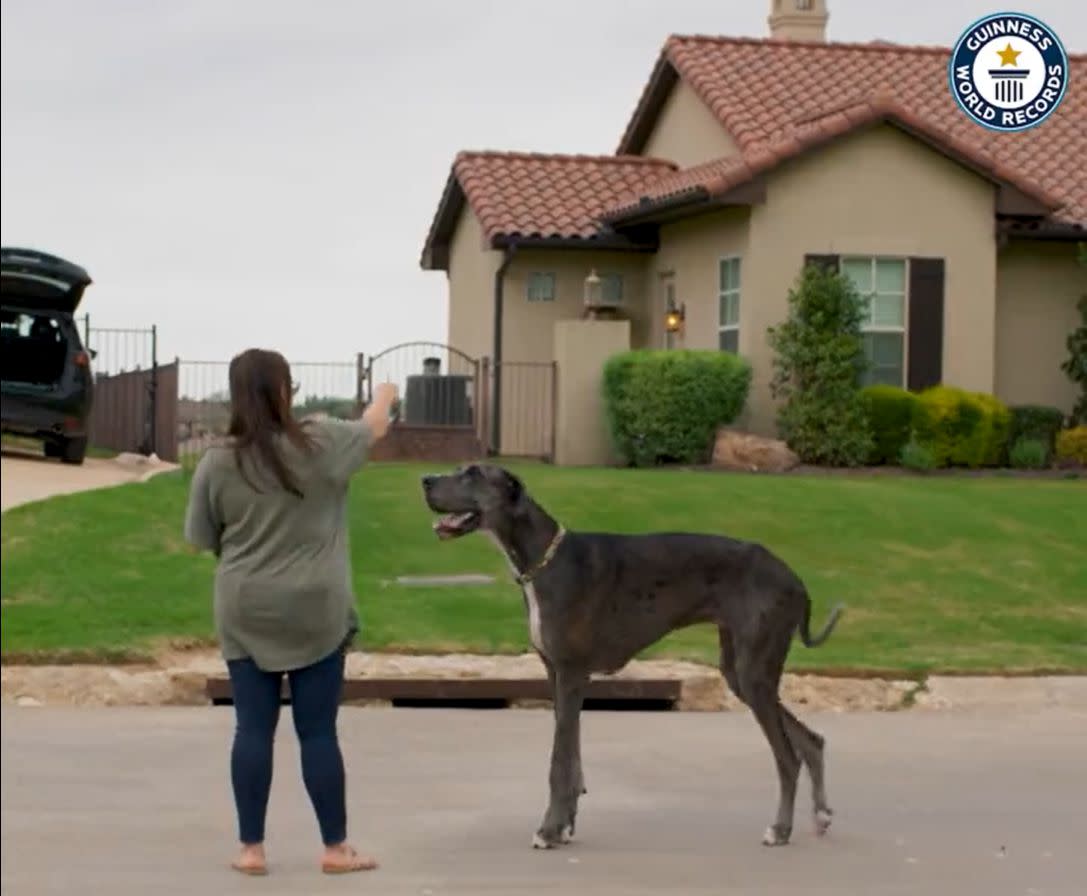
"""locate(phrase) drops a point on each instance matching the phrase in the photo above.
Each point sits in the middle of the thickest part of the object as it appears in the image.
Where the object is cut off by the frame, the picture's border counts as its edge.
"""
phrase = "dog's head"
(473, 497)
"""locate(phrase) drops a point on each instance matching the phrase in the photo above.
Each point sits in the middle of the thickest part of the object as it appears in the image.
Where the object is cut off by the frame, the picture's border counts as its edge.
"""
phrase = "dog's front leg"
(580, 788)
(565, 776)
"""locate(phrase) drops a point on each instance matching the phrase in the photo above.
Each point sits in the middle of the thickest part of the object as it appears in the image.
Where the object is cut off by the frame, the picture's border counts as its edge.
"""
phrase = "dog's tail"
(828, 627)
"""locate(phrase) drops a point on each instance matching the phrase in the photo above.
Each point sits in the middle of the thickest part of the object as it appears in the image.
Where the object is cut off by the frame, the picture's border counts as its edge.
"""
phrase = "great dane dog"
(595, 600)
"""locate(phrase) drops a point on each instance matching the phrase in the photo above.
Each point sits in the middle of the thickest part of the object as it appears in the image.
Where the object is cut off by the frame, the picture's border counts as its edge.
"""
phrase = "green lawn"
(938, 573)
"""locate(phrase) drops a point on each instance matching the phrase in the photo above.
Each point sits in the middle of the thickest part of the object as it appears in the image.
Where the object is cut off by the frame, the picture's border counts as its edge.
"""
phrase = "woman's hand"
(377, 415)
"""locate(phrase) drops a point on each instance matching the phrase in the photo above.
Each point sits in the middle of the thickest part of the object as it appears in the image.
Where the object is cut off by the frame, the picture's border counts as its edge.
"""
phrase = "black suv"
(47, 387)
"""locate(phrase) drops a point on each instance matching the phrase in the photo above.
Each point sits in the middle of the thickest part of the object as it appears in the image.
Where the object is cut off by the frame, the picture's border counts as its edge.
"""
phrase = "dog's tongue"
(448, 526)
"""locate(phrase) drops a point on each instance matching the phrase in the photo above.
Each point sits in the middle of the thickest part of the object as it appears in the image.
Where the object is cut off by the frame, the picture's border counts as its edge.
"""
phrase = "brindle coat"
(595, 600)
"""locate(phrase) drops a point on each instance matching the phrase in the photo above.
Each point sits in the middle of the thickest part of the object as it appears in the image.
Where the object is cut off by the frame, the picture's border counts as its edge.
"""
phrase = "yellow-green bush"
(960, 428)
(1072, 444)
(996, 423)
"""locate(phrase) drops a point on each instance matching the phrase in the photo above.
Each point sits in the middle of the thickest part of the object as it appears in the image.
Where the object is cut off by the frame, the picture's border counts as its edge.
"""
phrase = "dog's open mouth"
(454, 525)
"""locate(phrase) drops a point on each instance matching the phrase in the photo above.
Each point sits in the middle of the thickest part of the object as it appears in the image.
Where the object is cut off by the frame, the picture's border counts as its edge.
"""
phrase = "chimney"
(799, 20)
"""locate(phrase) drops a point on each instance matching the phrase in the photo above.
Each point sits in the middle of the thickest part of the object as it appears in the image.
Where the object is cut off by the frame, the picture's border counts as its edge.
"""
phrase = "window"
(611, 288)
(728, 301)
(541, 287)
(882, 281)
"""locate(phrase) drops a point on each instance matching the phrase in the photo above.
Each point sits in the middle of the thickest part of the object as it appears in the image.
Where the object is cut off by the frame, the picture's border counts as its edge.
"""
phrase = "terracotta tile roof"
(717, 177)
(772, 97)
(535, 195)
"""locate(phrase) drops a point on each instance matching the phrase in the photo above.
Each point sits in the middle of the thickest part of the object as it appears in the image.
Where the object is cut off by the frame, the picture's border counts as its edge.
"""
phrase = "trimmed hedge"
(889, 412)
(665, 406)
(1072, 445)
(1035, 421)
(960, 428)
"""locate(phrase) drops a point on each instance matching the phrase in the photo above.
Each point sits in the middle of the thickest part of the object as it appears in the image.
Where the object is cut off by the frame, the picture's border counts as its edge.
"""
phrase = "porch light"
(674, 316)
(593, 290)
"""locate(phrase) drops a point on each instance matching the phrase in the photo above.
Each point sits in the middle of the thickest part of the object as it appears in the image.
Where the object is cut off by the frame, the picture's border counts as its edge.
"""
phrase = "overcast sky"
(263, 172)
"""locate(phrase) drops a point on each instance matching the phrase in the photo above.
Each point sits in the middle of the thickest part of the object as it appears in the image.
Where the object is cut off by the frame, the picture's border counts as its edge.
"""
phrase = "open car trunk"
(39, 282)
(34, 347)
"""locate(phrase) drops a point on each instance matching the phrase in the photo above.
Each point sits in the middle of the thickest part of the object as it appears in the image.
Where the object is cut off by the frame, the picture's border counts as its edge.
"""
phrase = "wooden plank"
(492, 689)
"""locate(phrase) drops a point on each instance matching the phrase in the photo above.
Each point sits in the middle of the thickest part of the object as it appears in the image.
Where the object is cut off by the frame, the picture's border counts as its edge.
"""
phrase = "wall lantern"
(674, 316)
(594, 290)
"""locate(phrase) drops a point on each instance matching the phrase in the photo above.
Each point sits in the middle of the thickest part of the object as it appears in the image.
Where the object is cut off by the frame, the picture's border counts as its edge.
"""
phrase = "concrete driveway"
(26, 477)
(136, 801)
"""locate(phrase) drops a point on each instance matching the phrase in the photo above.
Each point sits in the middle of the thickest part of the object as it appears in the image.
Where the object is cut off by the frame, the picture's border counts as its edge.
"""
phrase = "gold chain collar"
(529, 574)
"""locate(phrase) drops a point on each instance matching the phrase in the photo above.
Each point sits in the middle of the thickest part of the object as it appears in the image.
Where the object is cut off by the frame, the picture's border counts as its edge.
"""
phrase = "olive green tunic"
(283, 593)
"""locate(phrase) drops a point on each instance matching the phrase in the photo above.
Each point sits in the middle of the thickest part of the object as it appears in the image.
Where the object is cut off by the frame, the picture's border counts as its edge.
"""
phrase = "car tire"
(51, 448)
(72, 451)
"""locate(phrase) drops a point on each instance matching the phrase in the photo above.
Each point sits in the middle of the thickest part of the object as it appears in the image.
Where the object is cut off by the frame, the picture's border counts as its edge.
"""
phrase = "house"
(745, 157)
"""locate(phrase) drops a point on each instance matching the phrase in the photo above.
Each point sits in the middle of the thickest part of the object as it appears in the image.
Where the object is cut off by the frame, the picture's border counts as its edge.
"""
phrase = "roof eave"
(663, 78)
(696, 201)
(1034, 229)
(603, 241)
(435, 255)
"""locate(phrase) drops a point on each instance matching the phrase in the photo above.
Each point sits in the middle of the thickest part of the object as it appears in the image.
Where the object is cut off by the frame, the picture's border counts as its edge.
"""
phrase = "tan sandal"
(250, 870)
(351, 863)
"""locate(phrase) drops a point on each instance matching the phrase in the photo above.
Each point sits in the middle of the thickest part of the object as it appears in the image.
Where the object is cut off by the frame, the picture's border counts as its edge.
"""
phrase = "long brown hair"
(260, 409)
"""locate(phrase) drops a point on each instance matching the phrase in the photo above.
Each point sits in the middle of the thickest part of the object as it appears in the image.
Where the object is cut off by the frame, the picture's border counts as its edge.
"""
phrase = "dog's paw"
(566, 835)
(776, 835)
(822, 819)
(540, 842)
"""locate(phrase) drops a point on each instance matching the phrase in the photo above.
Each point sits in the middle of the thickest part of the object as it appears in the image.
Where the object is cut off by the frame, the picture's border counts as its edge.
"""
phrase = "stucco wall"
(471, 288)
(687, 132)
(879, 192)
(1038, 286)
(528, 326)
(582, 347)
(690, 250)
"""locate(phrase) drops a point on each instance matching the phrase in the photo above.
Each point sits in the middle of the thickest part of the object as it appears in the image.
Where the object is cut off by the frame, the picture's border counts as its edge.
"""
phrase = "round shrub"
(665, 406)
(1035, 421)
(889, 412)
(1072, 445)
(962, 429)
(995, 429)
(1028, 453)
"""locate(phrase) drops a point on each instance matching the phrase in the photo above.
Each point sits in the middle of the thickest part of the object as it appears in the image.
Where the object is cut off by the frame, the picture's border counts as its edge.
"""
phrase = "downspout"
(499, 296)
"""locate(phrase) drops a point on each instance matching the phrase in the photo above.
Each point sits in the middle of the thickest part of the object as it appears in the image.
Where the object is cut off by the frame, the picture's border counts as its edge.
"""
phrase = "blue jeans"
(315, 702)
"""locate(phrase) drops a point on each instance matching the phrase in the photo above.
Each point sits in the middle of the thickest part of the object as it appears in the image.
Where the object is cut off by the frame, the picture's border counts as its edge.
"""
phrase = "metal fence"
(203, 398)
(128, 384)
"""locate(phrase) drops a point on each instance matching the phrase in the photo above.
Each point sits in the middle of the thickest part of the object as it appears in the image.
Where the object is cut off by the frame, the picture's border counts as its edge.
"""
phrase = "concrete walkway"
(26, 477)
(136, 801)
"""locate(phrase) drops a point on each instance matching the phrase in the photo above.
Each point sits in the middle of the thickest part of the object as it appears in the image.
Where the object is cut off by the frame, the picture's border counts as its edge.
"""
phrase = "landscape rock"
(734, 450)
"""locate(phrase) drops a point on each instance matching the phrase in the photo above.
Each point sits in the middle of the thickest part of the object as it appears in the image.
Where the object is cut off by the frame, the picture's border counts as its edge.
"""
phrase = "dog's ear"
(515, 489)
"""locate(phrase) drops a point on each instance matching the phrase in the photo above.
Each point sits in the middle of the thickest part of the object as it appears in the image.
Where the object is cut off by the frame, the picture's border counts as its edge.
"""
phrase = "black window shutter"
(830, 262)
(926, 323)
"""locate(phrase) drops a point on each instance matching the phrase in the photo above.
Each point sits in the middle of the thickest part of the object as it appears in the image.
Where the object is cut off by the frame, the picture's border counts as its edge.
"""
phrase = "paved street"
(135, 801)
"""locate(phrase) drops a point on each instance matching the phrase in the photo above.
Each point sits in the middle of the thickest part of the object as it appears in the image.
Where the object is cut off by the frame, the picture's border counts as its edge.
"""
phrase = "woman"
(271, 503)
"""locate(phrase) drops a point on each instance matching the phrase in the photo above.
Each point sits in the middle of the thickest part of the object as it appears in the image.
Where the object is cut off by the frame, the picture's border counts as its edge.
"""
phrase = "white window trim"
(722, 293)
(904, 330)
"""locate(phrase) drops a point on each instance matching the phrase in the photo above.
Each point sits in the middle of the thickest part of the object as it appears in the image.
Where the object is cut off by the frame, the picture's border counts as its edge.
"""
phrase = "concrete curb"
(181, 679)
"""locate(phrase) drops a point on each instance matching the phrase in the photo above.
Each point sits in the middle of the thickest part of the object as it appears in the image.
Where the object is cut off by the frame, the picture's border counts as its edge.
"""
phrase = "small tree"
(819, 359)
(1076, 365)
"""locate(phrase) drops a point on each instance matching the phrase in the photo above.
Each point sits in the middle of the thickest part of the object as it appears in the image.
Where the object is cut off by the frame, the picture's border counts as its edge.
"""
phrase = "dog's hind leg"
(809, 745)
(565, 776)
(758, 669)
